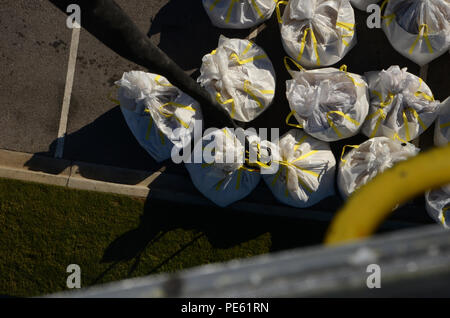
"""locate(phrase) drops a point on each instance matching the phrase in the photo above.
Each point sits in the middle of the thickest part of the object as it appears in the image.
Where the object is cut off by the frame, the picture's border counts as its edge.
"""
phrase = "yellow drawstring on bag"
(169, 115)
(162, 138)
(333, 126)
(247, 89)
(157, 80)
(303, 43)
(343, 68)
(380, 112)
(423, 32)
(291, 164)
(443, 214)
(278, 10)
(389, 17)
(343, 151)
(424, 95)
(251, 59)
(292, 113)
(444, 125)
(349, 27)
(288, 68)
(226, 102)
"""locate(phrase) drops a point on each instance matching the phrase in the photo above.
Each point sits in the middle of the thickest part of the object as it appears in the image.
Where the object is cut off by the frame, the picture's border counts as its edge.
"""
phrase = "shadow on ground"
(186, 33)
(222, 228)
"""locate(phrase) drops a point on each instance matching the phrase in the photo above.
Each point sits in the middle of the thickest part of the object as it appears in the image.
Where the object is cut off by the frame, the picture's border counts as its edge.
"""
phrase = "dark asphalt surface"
(35, 47)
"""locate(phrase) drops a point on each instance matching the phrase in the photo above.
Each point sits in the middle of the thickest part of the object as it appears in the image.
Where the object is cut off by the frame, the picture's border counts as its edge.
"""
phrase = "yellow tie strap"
(162, 138)
(300, 142)
(423, 94)
(251, 59)
(292, 113)
(230, 9)
(389, 17)
(286, 64)
(443, 214)
(279, 11)
(343, 151)
(247, 89)
(157, 80)
(405, 121)
(423, 32)
(213, 5)
(291, 164)
(169, 114)
(381, 115)
(303, 44)
(343, 68)
(240, 170)
(226, 102)
(444, 125)
(249, 45)
(346, 26)
(257, 9)
(332, 125)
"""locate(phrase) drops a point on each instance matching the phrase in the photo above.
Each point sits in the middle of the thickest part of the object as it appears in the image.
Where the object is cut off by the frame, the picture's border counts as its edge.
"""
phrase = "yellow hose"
(371, 204)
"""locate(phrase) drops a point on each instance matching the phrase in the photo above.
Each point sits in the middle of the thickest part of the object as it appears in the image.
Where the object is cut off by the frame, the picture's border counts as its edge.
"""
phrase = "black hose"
(111, 25)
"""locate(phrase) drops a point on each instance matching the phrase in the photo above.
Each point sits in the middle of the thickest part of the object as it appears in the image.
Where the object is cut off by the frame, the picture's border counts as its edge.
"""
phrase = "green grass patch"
(45, 228)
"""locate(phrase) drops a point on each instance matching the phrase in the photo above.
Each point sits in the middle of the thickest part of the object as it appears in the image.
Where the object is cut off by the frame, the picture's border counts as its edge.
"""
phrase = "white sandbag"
(363, 4)
(418, 29)
(364, 162)
(442, 125)
(306, 170)
(240, 76)
(238, 14)
(329, 104)
(402, 106)
(318, 32)
(438, 205)
(158, 114)
(224, 179)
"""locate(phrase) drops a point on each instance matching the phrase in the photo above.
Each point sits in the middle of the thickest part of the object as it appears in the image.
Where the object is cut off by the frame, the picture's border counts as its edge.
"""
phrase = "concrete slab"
(34, 53)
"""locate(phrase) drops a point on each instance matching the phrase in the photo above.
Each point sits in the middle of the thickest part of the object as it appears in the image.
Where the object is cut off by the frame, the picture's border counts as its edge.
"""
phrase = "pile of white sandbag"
(391, 107)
